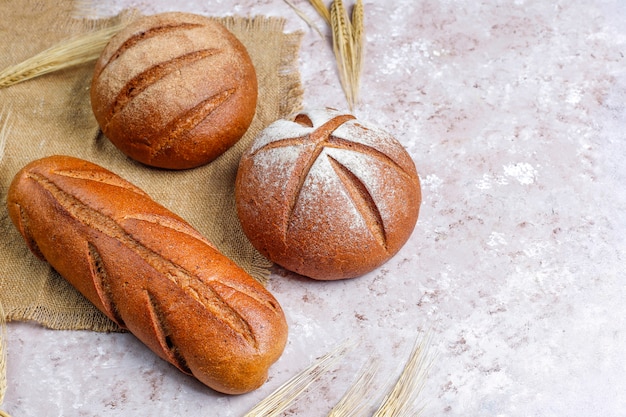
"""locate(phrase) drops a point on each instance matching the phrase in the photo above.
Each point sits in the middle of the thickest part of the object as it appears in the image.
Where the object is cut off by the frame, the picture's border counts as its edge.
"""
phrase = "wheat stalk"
(401, 400)
(304, 17)
(355, 402)
(3, 338)
(5, 129)
(4, 133)
(74, 51)
(280, 399)
(3, 356)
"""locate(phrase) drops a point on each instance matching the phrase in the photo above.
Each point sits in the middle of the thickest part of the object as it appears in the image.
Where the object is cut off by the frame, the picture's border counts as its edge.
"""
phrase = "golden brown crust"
(149, 271)
(327, 196)
(174, 90)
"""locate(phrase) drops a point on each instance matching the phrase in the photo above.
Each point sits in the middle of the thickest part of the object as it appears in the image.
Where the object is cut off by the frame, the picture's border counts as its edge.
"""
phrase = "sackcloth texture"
(52, 114)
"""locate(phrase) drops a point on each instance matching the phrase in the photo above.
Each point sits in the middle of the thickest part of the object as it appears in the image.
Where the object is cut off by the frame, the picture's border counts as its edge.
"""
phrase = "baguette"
(149, 271)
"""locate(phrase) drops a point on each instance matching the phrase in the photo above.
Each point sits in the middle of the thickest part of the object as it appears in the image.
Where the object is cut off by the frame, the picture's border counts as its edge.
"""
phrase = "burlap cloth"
(52, 115)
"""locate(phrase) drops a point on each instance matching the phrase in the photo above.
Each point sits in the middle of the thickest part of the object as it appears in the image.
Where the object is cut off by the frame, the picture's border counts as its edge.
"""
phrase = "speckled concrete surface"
(514, 115)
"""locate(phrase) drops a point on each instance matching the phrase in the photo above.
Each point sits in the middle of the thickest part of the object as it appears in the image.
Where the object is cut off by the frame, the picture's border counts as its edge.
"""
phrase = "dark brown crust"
(140, 82)
(174, 90)
(149, 271)
(299, 220)
(142, 35)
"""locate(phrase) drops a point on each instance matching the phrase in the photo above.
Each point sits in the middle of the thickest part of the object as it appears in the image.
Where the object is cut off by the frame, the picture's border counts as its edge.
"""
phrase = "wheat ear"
(348, 39)
(342, 46)
(74, 51)
(401, 400)
(280, 399)
(357, 398)
(358, 30)
(321, 8)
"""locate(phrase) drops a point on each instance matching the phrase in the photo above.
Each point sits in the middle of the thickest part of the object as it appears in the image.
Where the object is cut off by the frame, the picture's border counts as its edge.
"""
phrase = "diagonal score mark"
(100, 177)
(178, 127)
(145, 79)
(319, 136)
(200, 291)
(163, 335)
(362, 200)
(144, 35)
(24, 228)
(100, 279)
(281, 143)
(339, 143)
(185, 228)
(170, 223)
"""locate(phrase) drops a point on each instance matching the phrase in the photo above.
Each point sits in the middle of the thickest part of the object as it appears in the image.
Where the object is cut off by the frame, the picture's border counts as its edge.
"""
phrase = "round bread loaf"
(174, 90)
(327, 196)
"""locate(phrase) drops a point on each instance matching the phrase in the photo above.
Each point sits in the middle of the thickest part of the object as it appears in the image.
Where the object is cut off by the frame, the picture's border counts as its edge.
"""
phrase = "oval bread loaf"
(149, 271)
(326, 195)
(174, 90)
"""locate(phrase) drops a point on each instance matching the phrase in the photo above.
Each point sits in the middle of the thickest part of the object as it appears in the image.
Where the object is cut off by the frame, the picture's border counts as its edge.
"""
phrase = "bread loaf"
(326, 195)
(149, 271)
(174, 90)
